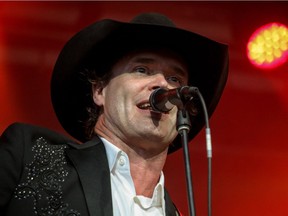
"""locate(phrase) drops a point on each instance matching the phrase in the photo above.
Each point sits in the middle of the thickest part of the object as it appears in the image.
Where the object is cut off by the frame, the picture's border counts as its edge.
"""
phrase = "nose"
(158, 81)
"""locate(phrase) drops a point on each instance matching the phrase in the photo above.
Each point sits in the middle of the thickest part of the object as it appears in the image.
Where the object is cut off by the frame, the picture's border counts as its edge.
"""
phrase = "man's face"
(125, 99)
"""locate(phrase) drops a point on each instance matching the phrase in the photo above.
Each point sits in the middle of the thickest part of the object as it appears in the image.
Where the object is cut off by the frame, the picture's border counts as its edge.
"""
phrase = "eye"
(174, 80)
(142, 69)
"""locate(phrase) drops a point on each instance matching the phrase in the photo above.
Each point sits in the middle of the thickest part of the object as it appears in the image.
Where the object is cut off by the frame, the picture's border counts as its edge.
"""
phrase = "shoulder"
(25, 135)
(27, 132)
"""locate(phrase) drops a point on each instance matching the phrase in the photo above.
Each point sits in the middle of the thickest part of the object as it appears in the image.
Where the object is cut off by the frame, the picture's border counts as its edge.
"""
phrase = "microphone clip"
(183, 121)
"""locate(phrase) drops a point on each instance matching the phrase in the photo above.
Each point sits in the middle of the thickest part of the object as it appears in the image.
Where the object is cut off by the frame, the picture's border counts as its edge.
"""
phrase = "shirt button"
(122, 161)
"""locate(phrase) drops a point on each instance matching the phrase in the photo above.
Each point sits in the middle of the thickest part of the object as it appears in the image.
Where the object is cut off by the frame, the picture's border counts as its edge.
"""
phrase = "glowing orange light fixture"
(268, 46)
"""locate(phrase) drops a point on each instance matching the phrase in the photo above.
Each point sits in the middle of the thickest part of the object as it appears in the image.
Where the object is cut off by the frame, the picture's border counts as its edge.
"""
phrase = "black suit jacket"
(45, 173)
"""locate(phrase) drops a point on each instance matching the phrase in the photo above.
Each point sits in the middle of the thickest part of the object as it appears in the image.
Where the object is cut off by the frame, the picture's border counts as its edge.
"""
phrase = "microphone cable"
(209, 152)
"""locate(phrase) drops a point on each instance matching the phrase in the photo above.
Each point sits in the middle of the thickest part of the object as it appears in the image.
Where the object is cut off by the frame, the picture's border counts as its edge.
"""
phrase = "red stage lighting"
(268, 46)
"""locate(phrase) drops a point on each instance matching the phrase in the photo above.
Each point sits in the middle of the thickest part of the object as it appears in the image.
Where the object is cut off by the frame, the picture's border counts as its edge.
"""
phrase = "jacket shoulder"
(34, 171)
(31, 132)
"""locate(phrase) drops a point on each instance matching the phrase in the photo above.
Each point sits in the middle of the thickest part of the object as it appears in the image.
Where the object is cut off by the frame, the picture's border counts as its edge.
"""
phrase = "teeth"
(145, 106)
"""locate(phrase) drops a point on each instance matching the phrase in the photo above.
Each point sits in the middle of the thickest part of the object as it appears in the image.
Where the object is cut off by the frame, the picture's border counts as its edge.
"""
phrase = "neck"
(146, 172)
(145, 165)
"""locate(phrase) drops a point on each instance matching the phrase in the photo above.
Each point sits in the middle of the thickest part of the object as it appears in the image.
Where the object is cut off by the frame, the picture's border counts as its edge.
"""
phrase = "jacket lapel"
(169, 206)
(91, 163)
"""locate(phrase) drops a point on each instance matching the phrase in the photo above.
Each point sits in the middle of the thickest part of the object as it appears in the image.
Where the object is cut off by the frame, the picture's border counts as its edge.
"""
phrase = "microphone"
(163, 100)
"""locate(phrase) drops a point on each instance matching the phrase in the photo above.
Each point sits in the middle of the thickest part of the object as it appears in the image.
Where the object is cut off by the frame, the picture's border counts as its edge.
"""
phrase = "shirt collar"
(112, 152)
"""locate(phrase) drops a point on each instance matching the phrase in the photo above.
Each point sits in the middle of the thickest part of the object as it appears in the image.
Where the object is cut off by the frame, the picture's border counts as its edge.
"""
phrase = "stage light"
(267, 48)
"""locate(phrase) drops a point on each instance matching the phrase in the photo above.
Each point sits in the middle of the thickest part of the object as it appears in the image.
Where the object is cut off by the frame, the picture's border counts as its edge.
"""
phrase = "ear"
(98, 95)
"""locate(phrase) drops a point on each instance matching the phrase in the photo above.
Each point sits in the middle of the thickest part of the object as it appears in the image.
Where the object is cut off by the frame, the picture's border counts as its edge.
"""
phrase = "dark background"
(249, 127)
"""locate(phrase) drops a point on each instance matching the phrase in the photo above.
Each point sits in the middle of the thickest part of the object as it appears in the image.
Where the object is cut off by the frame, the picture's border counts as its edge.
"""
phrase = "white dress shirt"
(124, 198)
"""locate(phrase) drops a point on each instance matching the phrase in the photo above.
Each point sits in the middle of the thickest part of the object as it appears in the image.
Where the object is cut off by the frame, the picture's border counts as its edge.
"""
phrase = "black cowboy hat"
(99, 44)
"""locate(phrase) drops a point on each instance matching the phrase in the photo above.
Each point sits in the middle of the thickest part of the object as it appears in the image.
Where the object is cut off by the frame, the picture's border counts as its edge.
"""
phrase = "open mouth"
(147, 106)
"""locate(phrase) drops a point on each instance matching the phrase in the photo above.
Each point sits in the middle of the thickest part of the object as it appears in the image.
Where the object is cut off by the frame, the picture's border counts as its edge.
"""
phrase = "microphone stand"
(183, 127)
(162, 100)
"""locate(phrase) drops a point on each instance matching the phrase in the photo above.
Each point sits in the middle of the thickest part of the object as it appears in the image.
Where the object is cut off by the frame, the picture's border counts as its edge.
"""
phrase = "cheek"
(122, 91)
(114, 95)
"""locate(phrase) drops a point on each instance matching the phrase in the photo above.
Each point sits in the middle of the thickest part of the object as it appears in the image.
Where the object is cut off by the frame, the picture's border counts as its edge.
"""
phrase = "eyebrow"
(143, 60)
